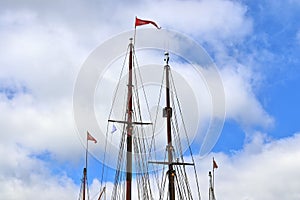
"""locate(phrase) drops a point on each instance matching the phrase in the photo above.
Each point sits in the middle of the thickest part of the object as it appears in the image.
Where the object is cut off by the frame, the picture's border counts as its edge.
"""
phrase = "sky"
(254, 44)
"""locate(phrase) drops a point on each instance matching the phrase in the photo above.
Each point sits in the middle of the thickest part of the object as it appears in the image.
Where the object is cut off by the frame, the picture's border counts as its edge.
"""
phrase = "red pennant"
(141, 22)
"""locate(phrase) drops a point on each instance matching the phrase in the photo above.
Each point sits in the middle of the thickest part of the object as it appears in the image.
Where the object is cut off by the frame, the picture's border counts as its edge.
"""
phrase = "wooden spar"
(129, 127)
(101, 193)
(168, 112)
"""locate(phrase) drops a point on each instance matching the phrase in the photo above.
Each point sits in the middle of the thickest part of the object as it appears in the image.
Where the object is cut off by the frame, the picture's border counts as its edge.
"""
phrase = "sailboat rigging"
(176, 169)
(137, 175)
(84, 185)
(176, 172)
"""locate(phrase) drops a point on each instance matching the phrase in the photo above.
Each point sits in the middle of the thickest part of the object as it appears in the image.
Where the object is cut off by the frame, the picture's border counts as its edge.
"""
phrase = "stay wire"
(187, 138)
(152, 143)
(143, 144)
(153, 134)
(110, 112)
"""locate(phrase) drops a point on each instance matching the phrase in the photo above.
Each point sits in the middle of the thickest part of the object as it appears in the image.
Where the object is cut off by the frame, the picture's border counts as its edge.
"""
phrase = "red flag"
(90, 137)
(215, 166)
(141, 22)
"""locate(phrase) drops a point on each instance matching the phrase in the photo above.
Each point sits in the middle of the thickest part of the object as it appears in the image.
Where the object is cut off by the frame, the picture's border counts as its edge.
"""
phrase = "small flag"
(215, 166)
(90, 137)
(140, 22)
(114, 129)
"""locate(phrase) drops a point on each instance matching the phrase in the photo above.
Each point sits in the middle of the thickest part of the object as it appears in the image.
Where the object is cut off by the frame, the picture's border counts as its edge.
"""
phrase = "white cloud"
(215, 19)
(40, 128)
(264, 169)
(241, 103)
(45, 44)
(42, 56)
(25, 177)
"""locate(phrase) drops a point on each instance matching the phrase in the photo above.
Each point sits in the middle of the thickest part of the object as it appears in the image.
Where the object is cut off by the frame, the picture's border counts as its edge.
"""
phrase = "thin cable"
(110, 112)
(187, 138)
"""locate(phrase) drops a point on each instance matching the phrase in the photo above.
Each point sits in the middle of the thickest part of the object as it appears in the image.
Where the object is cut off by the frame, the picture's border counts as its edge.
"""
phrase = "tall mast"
(84, 182)
(129, 126)
(168, 115)
(129, 129)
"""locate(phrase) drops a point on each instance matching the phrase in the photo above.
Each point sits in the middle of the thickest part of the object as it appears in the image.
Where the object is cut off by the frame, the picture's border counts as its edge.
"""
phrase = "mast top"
(167, 58)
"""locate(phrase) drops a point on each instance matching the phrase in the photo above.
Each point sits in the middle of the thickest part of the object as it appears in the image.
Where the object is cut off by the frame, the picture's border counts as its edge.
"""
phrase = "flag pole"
(213, 181)
(210, 186)
(86, 150)
(85, 169)
(85, 184)
(134, 31)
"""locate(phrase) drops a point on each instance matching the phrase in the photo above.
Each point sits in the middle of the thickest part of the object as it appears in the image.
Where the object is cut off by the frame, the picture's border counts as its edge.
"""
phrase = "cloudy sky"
(255, 44)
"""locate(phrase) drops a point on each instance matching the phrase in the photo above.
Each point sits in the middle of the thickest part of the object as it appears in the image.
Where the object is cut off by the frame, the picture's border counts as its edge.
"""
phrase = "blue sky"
(276, 26)
(255, 44)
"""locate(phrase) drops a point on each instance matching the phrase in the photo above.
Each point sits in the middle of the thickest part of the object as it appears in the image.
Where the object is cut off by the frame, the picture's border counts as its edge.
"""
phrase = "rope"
(143, 146)
(187, 138)
(107, 126)
(140, 145)
(80, 192)
(152, 144)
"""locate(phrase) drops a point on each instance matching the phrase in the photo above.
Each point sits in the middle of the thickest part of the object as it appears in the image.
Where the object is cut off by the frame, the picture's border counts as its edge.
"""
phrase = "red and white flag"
(141, 22)
(90, 137)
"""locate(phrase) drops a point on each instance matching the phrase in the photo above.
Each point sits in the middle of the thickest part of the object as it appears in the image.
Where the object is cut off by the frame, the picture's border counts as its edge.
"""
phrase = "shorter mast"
(168, 114)
(211, 188)
(84, 182)
(85, 168)
(212, 181)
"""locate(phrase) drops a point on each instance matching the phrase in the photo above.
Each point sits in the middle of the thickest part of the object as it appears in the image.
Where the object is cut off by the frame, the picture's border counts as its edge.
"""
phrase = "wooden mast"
(130, 123)
(129, 126)
(168, 115)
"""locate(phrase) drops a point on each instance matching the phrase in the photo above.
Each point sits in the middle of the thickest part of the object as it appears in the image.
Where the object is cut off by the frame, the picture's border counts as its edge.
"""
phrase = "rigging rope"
(187, 138)
(81, 188)
(107, 126)
(142, 146)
